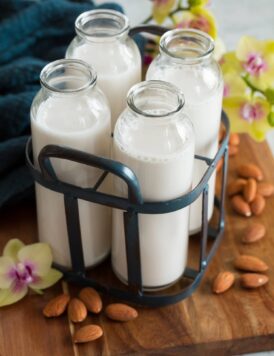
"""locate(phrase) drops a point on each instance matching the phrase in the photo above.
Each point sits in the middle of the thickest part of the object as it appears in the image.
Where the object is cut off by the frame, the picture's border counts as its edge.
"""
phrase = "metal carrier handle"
(132, 206)
(152, 29)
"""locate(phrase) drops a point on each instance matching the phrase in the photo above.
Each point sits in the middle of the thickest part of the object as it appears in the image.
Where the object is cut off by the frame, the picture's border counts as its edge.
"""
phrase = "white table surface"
(234, 18)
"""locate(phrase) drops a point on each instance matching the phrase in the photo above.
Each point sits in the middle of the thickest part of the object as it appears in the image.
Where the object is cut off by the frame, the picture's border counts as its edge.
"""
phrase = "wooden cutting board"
(236, 322)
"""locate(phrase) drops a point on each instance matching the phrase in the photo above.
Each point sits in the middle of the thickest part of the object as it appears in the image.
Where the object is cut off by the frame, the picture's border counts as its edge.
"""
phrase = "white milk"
(164, 170)
(117, 70)
(68, 121)
(203, 103)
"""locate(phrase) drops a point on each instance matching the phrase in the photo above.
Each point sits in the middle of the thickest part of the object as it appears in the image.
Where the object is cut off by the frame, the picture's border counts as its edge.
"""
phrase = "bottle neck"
(187, 46)
(67, 77)
(102, 26)
(155, 99)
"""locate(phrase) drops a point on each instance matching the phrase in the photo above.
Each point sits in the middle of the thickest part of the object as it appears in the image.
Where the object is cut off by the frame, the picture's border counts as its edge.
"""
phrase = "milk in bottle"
(154, 138)
(102, 41)
(186, 60)
(71, 111)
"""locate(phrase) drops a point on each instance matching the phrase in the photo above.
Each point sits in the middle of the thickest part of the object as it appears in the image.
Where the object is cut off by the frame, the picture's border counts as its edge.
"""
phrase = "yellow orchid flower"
(230, 63)
(248, 114)
(198, 18)
(234, 85)
(25, 266)
(161, 9)
(257, 60)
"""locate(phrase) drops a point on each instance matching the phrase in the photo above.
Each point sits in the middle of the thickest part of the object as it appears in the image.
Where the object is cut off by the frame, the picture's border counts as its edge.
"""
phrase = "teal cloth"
(32, 33)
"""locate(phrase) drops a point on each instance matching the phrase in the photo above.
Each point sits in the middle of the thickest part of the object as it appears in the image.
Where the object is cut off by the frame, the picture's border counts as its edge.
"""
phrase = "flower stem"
(149, 18)
(179, 8)
(251, 86)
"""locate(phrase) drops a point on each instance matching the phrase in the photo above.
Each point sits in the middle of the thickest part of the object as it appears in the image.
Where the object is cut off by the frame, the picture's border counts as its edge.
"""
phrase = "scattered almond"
(258, 204)
(77, 310)
(253, 233)
(265, 189)
(221, 133)
(240, 206)
(236, 186)
(250, 170)
(250, 263)
(121, 312)
(219, 164)
(92, 300)
(250, 189)
(223, 282)
(234, 139)
(87, 333)
(253, 280)
(232, 150)
(56, 306)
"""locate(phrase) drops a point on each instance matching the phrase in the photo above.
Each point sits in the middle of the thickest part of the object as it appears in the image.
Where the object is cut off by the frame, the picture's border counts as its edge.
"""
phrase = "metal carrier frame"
(132, 206)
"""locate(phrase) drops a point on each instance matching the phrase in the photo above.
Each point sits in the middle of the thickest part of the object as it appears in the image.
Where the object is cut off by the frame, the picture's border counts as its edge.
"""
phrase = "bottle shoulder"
(106, 56)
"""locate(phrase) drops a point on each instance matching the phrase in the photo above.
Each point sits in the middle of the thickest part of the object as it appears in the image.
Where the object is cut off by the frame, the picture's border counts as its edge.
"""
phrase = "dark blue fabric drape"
(32, 33)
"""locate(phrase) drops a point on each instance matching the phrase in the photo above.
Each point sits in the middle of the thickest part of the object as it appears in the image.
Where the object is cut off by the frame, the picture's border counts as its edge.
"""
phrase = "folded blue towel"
(32, 33)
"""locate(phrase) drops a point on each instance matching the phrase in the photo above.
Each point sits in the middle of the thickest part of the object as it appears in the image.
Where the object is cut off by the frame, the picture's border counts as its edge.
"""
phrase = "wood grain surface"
(236, 322)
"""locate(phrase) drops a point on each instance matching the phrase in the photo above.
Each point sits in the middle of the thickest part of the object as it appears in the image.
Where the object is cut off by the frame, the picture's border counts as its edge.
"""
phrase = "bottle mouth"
(96, 24)
(67, 76)
(187, 45)
(155, 99)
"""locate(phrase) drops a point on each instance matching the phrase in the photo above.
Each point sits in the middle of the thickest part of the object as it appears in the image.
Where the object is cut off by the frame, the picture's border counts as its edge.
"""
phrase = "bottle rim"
(204, 42)
(159, 85)
(59, 66)
(116, 17)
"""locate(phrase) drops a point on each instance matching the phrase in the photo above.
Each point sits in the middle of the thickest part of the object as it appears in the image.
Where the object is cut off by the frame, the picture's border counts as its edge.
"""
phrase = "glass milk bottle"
(154, 138)
(102, 41)
(70, 110)
(186, 60)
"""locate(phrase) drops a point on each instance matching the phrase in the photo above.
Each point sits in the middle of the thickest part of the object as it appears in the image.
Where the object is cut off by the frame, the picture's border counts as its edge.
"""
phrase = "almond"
(236, 186)
(92, 300)
(250, 189)
(121, 312)
(223, 282)
(250, 263)
(258, 204)
(56, 306)
(234, 139)
(221, 133)
(77, 310)
(265, 189)
(219, 165)
(253, 280)
(250, 170)
(232, 150)
(87, 333)
(240, 206)
(253, 233)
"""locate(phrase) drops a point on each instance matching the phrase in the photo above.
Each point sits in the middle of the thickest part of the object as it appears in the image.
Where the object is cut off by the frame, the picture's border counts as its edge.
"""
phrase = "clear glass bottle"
(186, 60)
(102, 41)
(70, 110)
(154, 137)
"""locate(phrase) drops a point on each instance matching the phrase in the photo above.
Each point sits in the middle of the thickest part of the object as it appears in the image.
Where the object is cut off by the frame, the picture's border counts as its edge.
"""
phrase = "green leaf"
(270, 118)
(269, 93)
(193, 3)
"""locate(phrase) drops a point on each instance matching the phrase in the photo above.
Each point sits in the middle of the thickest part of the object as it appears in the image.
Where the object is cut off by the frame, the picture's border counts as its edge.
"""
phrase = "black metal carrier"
(132, 206)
